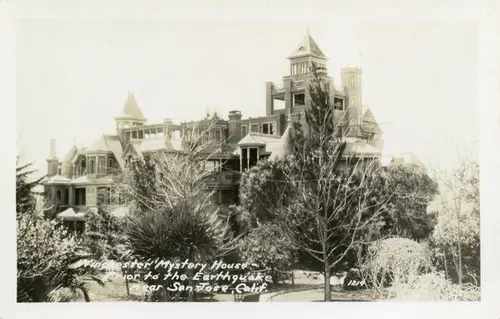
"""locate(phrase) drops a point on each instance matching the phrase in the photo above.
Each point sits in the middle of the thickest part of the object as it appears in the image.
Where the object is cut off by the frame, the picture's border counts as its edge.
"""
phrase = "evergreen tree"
(25, 195)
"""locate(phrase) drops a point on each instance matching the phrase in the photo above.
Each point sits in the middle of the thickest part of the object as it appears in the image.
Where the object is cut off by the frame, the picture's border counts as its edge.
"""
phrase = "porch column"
(71, 197)
(248, 157)
(241, 160)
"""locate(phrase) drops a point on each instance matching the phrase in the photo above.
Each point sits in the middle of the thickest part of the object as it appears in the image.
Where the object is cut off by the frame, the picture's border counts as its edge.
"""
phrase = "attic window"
(301, 49)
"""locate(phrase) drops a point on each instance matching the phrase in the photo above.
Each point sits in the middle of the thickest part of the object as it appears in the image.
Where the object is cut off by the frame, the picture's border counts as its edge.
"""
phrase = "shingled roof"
(108, 143)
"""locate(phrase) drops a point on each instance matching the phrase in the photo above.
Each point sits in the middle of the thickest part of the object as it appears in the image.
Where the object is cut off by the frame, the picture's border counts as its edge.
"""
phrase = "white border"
(480, 11)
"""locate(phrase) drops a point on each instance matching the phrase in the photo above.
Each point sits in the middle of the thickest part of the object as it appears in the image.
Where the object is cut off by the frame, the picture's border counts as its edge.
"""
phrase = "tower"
(351, 78)
(130, 116)
(234, 129)
(293, 91)
(305, 55)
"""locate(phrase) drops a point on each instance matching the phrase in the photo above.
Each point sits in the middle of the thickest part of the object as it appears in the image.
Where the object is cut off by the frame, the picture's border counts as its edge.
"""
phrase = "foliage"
(264, 188)
(45, 255)
(412, 190)
(173, 216)
(25, 196)
(456, 238)
(434, 286)
(103, 234)
(394, 261)
(445, 243)
(268, 247)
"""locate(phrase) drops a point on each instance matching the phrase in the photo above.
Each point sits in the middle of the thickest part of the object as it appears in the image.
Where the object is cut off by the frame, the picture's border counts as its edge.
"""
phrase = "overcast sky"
(419, 78)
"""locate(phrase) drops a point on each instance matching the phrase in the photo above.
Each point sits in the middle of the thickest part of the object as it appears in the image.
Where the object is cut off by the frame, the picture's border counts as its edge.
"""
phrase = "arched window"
(82, 167)
(110, 165)
(91, 168)
(353, 101)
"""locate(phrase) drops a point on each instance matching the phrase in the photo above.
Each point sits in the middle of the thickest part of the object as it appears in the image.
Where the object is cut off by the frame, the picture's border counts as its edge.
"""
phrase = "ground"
(306, 287)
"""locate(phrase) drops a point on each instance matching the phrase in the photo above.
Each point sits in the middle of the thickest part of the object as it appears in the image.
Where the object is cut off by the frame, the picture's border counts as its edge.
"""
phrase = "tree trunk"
(85, 294)
(191, 284)
(124, 273)
(328, 292)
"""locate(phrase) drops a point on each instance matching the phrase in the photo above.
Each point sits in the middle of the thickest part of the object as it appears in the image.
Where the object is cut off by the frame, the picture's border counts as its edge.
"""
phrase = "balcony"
(223, 179)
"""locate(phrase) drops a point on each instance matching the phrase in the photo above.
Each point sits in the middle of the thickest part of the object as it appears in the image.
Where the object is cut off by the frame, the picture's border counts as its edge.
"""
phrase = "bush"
(393, 261)
(435, 287)
(46, 255)
(267, 247)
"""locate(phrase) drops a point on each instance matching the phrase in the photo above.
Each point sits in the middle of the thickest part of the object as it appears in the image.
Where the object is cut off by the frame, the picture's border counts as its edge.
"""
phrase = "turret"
(52, 160)
(351, 80)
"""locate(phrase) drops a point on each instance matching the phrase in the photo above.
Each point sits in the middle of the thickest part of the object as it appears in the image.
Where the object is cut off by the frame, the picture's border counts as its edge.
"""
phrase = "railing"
(279, 87)
(223, 178)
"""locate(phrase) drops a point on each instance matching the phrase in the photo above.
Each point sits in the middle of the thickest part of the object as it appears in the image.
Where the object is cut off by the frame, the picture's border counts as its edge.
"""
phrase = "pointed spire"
(308, 47)
(131, 108)
(53, 153)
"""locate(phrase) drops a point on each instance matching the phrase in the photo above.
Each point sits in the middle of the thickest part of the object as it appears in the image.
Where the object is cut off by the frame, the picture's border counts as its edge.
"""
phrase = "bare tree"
(457, 231)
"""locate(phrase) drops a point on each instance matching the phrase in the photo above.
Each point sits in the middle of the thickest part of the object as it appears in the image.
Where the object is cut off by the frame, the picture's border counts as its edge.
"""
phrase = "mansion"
(76, 182)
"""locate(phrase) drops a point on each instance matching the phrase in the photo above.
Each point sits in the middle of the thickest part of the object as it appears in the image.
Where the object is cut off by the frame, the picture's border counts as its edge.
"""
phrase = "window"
(265, 128)
(218, 135)
(102, 165)
(91, 169)
(80, 196)
(338, 104)
(299, 99)
(110, 166)
(253, 157)
(254, 128)
(353, 81)
(244, 159)
(268, 128)
(353, 101)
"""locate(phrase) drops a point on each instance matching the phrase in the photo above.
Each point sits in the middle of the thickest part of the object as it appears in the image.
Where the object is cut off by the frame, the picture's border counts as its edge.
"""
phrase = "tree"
(46, 252)
(413, 190)
(46, 258)
(264, 189)
(268, 247)
(173, 214)
(456, 236)
(335, 207)
(25, 184)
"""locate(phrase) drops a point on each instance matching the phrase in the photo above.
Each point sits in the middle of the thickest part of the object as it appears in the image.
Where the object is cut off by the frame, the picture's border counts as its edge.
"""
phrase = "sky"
(420, 78)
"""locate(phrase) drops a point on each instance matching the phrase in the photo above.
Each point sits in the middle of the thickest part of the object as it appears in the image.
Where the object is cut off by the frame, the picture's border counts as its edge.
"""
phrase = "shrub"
(435, 287)
(394, 260)
(46, 256)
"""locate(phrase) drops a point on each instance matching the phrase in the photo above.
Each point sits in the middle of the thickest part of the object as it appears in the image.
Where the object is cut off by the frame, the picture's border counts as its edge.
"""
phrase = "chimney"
(168, 126)
(52, 161)
(234, 127)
